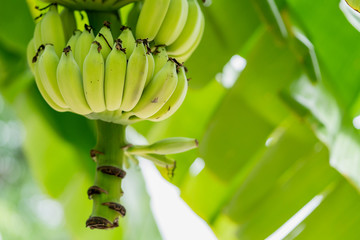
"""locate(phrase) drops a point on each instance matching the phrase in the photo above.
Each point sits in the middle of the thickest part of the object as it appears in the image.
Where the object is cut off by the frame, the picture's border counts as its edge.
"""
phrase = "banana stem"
(97, 19)
(107, 191)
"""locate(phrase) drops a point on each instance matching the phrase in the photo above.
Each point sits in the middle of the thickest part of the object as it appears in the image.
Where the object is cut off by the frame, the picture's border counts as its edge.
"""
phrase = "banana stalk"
(106, 192)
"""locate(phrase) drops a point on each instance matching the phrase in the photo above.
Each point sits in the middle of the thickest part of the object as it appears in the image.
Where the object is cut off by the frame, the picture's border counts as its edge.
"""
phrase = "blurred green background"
(274, 102)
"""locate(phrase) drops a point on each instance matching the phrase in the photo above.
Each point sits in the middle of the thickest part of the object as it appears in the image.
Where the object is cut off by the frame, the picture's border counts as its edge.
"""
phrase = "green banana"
(160, 58)
(73, 40)
(185, 56)
(37, 35)
(176, 99)
(191, 30)
(134, 14)
(160, 160)
(70, 83)
(151, 67)
(135, 77)
(30, 53)
(173, 23)
(47, 65)
(52, 29)
(68, 22)
(134, 160)
(165, 146)
(115, 72)
(128, 41)
(93, 78)
(151, 17)
(157, 92)
(83, 45)
(39, 84)
(105, 38)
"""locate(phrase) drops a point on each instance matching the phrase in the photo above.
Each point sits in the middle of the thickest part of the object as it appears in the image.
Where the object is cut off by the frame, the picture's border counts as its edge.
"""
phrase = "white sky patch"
(174, 218)
(197, 166)
(269, 141)
(208, 3)
(356, 122)
(231, 71)
(295, 220)
(49, 211)
(2, 104)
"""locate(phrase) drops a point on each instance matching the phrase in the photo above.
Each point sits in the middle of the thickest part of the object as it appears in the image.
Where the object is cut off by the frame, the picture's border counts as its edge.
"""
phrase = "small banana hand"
(176, 99)
(158, 91)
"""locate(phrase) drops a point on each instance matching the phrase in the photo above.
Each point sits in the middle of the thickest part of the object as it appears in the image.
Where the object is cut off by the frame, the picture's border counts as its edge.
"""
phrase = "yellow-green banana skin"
(115, 72)
(160, 59)
(41, 88)
(93, 78)
(136, 74)
(185, 56)
(30, 53)
(166, 146)
(151, 68)
(69, 22)
(73, 40)
(37, 35)
(106, 40)
(83, 45)
(176, 99)
(190, 32)
(52, 31)
(157, 92)
(47, 65)
(128, 41)
(151, 17)
(70, 83)
(173, 23)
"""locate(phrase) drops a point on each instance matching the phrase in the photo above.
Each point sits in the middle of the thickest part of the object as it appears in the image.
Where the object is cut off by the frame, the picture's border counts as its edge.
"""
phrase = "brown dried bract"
(124, 28)
(101, 223)
(107, 24)
(102, 35)
(67, 50)
(94, 153)
(171, 170)
(111, 170)
(88, 28)
(119, 45)
(95, 190)
(116, 206)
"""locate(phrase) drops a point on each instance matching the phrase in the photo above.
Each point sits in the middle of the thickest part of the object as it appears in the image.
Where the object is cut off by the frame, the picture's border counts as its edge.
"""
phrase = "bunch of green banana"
(119, 81)
(177, 24)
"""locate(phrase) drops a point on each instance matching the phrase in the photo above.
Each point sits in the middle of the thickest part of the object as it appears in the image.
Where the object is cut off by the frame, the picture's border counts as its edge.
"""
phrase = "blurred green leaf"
(336, 44)
(229, 26)
(335, 218)
(16, 25)
(247, 115)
